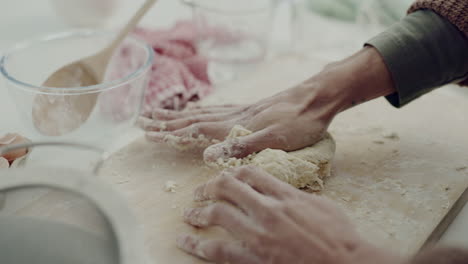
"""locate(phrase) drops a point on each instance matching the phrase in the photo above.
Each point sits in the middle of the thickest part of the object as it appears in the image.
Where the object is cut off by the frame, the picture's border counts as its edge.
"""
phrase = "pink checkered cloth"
(178, 74)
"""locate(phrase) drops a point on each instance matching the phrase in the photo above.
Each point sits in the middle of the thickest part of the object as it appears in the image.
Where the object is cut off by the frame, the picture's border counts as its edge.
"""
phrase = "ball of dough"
(303, 169)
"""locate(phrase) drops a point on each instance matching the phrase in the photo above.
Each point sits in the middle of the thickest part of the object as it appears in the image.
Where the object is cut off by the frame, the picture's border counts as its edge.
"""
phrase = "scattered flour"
(170, 186)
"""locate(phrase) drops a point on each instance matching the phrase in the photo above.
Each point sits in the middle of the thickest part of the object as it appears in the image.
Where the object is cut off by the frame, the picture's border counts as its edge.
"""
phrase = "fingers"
(257, 179)
(217, 251)
(176, 124)
(244, 146)
(225, 106)
(221, 214)
(205, 130)
(325, 205)
(185, 122)
(147, 114)
(179, 143)
(229, 189)
(264, 183)
(149, 124)
(161, 114)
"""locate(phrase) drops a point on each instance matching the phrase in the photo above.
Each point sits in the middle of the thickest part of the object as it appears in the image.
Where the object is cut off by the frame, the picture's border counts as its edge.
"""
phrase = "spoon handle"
(130, 25)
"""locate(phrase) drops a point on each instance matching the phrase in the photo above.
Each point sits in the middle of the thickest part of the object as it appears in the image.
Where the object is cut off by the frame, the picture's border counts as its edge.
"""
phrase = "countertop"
(19, 23)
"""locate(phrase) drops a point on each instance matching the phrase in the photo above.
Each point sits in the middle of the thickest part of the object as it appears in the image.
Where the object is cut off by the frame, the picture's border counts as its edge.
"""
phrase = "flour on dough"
(304, 169)
(189, 143)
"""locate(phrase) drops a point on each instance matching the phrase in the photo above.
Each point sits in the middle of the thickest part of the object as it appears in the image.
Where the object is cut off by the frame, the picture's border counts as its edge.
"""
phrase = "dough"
(303, 169)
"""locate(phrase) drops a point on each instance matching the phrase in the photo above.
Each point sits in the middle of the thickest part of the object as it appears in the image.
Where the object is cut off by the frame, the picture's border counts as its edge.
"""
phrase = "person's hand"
(273, 223)
(276, 121)
(291, 120)
(8, 158)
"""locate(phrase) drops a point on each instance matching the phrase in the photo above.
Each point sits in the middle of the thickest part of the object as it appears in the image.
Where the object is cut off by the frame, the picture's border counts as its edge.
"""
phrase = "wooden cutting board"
(395, 189)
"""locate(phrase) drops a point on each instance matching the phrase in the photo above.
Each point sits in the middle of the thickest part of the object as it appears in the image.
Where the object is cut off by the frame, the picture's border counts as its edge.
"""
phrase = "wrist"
(350, 82)
(367, 78)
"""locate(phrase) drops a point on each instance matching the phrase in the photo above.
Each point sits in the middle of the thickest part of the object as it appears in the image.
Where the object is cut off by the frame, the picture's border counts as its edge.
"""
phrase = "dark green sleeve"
(422, 52)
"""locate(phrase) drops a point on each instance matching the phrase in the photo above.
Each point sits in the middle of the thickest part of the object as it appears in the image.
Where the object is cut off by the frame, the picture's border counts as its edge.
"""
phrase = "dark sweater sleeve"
(422, 52)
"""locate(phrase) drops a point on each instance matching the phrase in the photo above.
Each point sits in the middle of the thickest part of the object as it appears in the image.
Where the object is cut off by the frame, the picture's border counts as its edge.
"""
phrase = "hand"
(11, 139)
(277, 122)
(274, 223)
(290, 120)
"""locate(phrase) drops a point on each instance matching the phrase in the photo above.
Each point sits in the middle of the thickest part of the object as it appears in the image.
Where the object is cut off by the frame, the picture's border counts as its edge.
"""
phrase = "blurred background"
(223, 39)
(23, 19)
(230, 37)
(215, 40)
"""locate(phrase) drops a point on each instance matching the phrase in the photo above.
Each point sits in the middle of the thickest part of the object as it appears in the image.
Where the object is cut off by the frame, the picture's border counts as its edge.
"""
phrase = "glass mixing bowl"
(233, 35)
(119, 97)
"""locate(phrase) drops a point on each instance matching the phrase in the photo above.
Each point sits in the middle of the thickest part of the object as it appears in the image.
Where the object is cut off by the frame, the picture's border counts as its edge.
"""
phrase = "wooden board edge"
(443, 225)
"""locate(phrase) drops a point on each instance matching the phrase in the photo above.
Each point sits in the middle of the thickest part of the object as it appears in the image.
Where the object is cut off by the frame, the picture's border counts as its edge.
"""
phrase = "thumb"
(243, 146)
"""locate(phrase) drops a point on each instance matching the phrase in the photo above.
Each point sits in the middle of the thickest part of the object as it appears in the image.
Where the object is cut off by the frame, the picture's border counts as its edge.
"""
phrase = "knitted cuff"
(455, 11)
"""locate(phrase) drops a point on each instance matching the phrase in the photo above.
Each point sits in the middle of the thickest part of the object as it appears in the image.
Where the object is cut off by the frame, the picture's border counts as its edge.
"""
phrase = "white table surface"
(23, 19)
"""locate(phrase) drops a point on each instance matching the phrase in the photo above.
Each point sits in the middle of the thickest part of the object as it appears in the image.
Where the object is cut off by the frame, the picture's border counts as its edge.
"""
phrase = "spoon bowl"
(84, 72)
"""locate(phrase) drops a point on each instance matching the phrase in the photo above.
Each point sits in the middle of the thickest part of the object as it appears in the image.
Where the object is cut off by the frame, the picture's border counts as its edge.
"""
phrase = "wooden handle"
(130, 25)
(444, 224)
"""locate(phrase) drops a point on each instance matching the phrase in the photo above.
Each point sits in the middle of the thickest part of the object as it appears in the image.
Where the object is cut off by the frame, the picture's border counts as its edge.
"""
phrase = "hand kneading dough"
(304, 169)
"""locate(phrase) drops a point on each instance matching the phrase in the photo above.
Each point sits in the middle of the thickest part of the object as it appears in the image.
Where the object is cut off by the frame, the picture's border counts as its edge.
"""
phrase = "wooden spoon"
(55, 115)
